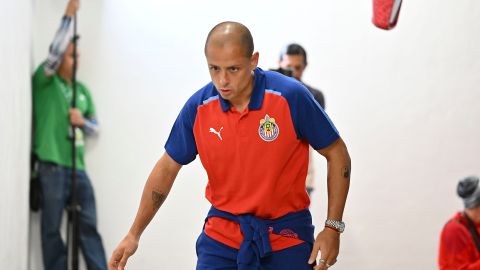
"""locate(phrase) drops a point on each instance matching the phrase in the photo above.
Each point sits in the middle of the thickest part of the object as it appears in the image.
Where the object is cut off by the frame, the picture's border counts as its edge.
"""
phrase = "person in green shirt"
(52, 145)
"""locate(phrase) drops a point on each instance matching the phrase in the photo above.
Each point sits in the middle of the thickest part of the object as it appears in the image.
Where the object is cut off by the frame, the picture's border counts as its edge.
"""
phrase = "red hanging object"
(385, 13)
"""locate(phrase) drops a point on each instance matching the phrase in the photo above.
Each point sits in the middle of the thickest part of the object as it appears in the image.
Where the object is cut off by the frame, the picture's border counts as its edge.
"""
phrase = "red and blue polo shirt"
(256, 160)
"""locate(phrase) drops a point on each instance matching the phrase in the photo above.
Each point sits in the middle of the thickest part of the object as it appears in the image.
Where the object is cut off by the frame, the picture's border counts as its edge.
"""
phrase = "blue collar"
(258, 93)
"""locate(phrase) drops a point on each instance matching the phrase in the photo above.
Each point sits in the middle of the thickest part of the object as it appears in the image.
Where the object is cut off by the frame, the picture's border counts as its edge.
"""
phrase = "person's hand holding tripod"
(76, 117)
(72, 8)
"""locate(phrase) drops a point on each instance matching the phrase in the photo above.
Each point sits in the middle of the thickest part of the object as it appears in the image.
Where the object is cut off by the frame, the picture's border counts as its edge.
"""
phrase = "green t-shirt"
(52, 131)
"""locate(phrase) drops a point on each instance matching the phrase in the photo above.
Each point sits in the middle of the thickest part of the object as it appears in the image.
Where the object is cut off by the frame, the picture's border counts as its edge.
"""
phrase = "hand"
(76, 118)
(124, 250)
(328, 243)
(72, 8)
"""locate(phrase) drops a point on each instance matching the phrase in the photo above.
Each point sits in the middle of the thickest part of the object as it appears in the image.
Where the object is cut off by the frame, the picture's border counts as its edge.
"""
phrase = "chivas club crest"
(268, 129)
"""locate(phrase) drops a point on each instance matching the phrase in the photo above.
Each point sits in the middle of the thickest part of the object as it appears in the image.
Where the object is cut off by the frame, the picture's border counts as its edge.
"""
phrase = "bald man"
(251, 129)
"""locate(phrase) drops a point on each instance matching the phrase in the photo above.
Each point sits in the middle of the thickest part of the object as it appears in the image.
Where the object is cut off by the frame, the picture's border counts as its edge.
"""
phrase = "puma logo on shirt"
(212, 130)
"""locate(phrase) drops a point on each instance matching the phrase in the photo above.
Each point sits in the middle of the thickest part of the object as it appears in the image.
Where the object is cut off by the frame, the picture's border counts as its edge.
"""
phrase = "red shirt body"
(457, 247)
(256, 160)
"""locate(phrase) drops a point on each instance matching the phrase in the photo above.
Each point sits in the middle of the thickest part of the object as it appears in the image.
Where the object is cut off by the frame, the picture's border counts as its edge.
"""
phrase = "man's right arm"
(155, 192)
(60, 41)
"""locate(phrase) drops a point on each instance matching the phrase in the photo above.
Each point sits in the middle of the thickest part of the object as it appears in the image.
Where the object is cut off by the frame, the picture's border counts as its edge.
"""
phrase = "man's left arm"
(338, 182)
(89, 124)
(87, 121)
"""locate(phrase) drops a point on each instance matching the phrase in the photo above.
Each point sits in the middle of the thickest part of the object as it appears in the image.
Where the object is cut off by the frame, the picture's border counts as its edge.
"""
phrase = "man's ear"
(254, 60)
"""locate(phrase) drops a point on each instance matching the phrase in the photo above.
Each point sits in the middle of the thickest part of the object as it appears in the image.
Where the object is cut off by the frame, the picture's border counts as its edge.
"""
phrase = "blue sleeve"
(310, 120)
(181, 144)
(58, 46)
(91, 127)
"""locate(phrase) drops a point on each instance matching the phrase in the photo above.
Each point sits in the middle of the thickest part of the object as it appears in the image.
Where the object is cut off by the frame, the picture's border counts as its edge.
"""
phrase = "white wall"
(15, 112)
(405, 101)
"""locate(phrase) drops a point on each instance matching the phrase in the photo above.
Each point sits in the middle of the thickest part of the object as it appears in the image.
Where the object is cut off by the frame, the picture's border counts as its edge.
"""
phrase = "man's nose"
(224, 79)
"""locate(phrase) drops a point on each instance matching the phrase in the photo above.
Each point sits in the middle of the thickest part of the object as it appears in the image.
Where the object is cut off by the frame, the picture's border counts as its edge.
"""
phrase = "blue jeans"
(56, 185)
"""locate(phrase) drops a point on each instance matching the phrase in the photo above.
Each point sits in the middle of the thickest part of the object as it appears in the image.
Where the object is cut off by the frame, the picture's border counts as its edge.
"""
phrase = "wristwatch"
(337, 225)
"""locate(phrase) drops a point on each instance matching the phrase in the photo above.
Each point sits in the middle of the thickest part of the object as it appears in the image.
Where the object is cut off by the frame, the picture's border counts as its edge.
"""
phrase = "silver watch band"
(337, 225)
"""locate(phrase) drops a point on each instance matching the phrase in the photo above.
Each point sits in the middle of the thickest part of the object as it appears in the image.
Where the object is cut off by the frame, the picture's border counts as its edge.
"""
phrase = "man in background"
(460, 239)
(293, 57)
(53, 118)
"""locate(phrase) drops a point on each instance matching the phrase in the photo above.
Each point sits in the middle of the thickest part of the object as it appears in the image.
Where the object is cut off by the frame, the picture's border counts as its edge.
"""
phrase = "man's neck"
(242, 102)
(241, 107)
(473, 214)
(65, 76)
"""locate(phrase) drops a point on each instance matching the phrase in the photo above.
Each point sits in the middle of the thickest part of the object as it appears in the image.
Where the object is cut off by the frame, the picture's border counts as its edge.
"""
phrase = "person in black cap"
(460, 238)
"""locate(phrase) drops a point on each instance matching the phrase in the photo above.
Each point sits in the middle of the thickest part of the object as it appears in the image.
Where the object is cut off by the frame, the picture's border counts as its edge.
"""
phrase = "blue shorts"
(213, 255)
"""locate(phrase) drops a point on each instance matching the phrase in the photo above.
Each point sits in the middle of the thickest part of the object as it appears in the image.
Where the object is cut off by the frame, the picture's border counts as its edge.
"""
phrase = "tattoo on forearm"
(346, 172)
(158, 199)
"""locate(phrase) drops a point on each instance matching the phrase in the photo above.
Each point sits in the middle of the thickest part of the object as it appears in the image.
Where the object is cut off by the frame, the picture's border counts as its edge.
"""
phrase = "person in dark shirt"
(293, 57)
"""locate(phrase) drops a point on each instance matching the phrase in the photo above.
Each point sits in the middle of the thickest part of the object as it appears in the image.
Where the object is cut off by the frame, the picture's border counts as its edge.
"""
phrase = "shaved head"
(230, 33)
